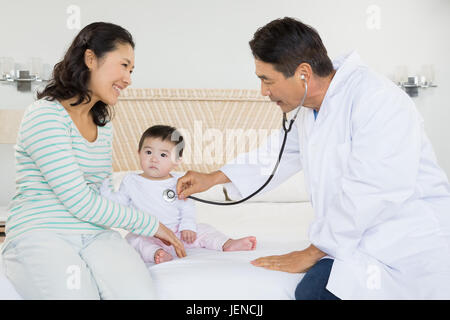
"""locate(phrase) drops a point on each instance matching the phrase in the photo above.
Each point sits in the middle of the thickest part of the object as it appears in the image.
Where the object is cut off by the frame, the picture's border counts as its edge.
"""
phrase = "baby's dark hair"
(165, 133)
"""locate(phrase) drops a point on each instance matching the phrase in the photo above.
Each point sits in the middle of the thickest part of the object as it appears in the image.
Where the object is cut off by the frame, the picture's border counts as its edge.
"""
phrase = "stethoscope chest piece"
(169, 195)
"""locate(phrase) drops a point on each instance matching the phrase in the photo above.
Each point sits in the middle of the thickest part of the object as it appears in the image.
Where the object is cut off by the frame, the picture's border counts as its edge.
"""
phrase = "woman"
(58, 242)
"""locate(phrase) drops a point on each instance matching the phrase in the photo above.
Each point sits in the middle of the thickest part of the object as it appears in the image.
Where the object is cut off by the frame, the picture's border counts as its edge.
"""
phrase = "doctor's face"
(286, 92)
(157, 158)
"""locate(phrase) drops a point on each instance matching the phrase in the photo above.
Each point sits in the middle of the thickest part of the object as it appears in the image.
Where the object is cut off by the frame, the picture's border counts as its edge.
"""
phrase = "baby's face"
(157, 158)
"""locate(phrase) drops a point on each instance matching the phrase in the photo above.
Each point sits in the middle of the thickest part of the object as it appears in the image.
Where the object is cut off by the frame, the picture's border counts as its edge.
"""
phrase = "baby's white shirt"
(147, 195)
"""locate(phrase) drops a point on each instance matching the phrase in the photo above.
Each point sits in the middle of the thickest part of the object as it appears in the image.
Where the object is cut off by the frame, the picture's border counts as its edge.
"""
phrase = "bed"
(210, 119)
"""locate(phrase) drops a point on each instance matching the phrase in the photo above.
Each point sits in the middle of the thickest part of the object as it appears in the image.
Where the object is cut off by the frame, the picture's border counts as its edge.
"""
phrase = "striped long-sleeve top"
(58, 176)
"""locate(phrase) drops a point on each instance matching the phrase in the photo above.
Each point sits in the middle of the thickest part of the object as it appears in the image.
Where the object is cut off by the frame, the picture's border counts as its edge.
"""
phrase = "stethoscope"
(169, 195)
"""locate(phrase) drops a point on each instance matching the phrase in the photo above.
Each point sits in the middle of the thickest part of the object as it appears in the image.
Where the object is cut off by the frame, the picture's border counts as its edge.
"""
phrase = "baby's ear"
(179, 160)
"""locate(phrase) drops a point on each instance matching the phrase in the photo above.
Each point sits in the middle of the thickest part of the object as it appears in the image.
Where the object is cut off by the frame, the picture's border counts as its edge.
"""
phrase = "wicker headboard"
(206, 118)
(216, 124)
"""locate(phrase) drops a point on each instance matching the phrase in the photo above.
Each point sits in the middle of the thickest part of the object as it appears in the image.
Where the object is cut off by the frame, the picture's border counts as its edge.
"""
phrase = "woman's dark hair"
(286, 43)
(165, 133)
(71, 75)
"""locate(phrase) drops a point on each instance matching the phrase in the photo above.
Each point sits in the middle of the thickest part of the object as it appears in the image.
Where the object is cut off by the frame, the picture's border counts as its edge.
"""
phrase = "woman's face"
(111, 73)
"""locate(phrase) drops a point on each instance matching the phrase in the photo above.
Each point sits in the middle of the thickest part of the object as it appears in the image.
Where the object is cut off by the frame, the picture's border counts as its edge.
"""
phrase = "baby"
(160, 151)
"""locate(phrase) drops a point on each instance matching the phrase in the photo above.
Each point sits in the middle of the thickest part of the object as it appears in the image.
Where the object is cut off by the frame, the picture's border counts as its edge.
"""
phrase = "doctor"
(382, 204)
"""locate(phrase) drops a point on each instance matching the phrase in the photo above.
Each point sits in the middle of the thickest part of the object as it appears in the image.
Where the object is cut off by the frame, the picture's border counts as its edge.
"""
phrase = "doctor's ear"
(303, 71)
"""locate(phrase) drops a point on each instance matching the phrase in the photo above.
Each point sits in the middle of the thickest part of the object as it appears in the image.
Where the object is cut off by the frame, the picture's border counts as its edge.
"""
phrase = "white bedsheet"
(208, 275)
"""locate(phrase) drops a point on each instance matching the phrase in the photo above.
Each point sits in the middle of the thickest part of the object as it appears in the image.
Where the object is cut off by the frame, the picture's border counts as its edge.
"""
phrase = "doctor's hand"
(194, 182)
(169, 238)
(294, 262)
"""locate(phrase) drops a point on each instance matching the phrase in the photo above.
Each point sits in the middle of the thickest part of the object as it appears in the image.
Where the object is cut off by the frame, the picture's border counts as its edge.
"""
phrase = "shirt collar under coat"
(344, 65)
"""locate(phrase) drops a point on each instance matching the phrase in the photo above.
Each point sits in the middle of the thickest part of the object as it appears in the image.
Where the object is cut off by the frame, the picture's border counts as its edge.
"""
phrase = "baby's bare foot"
(247, 243)
(162, 256)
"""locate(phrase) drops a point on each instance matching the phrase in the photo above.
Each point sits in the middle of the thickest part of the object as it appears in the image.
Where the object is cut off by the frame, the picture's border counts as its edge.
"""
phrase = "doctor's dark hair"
(165, 133)
(71, 75)
(286, 43)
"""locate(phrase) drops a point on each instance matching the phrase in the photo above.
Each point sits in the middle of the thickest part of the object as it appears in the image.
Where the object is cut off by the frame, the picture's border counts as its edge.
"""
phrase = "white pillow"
(215, 193)
(292, 190)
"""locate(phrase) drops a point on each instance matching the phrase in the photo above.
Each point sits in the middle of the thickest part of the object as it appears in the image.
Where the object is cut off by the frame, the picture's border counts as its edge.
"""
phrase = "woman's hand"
(194, 182)
(169, 238)
(294, 262)
(188, 236)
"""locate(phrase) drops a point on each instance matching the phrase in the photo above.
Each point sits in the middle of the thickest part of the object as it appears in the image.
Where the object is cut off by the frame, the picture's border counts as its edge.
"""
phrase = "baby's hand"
(188, 236)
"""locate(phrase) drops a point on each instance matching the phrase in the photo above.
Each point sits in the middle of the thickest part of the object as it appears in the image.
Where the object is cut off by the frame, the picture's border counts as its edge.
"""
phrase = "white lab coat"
(381, 202)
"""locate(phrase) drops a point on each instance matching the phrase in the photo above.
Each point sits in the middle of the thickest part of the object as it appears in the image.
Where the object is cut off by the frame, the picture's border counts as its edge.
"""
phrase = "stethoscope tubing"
(286, 131)
(257, 191)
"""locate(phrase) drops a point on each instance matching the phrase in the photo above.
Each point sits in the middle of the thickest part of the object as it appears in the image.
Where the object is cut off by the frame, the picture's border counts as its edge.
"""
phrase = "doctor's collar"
(344, 66)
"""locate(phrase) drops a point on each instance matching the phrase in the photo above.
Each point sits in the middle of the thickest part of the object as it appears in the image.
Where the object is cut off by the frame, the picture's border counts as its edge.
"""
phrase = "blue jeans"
(313, 285)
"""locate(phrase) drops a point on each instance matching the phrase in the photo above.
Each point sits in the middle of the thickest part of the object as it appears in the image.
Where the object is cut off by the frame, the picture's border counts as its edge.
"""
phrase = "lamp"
(23, 77)
(415, 82)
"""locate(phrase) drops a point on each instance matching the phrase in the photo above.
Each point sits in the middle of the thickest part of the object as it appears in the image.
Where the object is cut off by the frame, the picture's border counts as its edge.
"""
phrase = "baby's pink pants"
(207, 237)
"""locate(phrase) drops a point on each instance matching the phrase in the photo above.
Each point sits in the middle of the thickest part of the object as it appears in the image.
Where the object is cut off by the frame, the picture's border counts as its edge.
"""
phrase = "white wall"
(204, 44)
